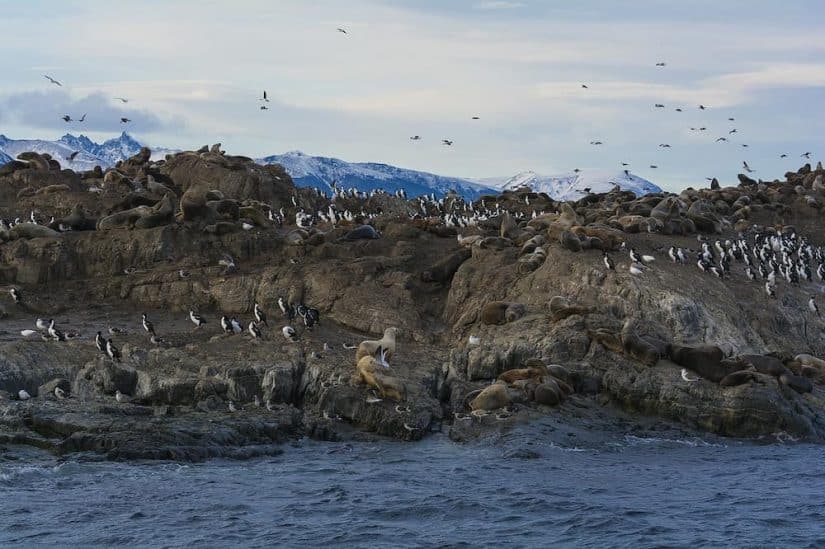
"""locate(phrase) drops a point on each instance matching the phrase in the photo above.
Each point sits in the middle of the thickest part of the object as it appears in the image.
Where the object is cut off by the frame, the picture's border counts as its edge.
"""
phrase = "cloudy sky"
(193, 73)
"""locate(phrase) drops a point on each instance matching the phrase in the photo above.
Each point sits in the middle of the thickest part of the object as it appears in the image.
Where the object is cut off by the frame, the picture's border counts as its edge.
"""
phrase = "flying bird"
(342, 30)
(747, 168)
(732, 131)
(806, 155)
(416, 138)
(72, 156)
(264, 98)
(678, 110)
(122, 99)
(660, 64)
(659, 106)
(124, 120)
(731, 119)
(721, 139)
(447, 142)
(783, 156)
(476, 118)
(264, 108)
(664, 145)
(66, 118)
(585, 86)
(744, 146)
(654, 166)
(52, 80)
(701, 107)
(82, 118)
(596, 143)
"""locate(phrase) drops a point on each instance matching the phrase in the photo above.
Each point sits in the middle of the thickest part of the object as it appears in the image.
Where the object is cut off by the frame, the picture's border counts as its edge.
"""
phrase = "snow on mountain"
(572, 186)
(90, 154)
(4, 158)
(318, 171)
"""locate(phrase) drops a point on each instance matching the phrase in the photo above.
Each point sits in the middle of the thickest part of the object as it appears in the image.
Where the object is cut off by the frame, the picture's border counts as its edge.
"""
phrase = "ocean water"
(627, 491)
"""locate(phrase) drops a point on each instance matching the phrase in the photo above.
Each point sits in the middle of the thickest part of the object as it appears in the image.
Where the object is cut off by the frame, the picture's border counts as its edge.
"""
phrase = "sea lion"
(371, 371)
(444, 270)
(363, 232)
(500, 312)
(227, 208)
(559, 372)
(32, 230)
(516, 374)
(368, 347)
(737, 378)
(607, 339)
(767, 365)
(193, 207)
(53, 189)
(705, 360)
(491, 398)
(646, 349)
(810, 360)
(797, 383)
(548, 393)
(570, 241)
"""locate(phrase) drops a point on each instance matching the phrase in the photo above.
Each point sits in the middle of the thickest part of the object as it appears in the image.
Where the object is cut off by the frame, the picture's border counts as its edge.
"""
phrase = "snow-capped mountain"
(4, 158)
(318, 171)
(571, 186)
(90, 154)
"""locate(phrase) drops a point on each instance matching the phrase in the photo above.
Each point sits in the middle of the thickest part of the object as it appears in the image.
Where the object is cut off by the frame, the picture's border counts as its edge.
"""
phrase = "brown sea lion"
(797, 383)
(491, 398)
(705, 360)
(738, 378)
(368, 347)
(548, 394)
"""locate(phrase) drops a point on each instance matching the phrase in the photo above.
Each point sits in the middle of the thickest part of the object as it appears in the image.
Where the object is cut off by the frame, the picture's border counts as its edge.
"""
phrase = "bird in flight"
(124, 120)
(66, 118)
(806, 155)
(701, 107)
(576, 170)
(660, 64)
(744, 146)
(678, 110)
(702, 129)
(342, 30)
(447, 142)
(625, 164)
(52, 80)
(264, 98)
(664, 145)
(747, 168)
(732, 131)
(659, 106)
(731, 119)
(82, 118)
(585, 86)
(71, 157)
(476, 118)
(654, 166)
(264, 108)
(721, 139)
(783, 156)
(122, 99)
(416, 138)
(596, 143)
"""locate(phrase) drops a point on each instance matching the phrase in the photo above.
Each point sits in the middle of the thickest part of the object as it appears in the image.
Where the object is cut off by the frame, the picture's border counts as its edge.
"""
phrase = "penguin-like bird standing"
(112, 351)
(813, 306)
(260, 316)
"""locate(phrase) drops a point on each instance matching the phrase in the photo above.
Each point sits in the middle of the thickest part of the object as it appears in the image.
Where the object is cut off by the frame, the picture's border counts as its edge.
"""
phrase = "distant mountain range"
(90, 154)
(575, 185)
(321, 172)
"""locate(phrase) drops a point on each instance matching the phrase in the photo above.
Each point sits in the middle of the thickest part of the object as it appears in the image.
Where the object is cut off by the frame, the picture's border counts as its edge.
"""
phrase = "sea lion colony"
(502, 306)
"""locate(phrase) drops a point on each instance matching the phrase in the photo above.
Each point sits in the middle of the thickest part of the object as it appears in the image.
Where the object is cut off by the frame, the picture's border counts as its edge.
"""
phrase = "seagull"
(122, 99)
(637, 269)
(264, 98)
(686, 377)
(783, 156)
(806, 155)
(124, 120)
(415, 138)
(28, 333)
(721, 139)
(747, 168)
(82, 118)
(339, 29)
(52, 80)
(66, 118)
(447, 142)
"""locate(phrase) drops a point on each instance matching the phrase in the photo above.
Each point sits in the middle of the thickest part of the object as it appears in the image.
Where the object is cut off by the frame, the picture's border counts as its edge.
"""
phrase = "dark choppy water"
(629, 492)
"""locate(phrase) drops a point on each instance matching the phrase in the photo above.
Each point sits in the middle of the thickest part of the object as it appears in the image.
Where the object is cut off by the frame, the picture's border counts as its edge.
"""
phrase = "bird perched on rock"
(196, 319)
(254, 331)
(686, 377)
(232, 407)
(260, 316)
(100, 342)
(147, 324)
(59, 393)
(290, 333)
(474, 340)
(608, 262)
(112, 351)
(16, 296)
(770, 289)
(637, 269)
(22, 394)
(120, 397)
(228, 264)
(813, 306)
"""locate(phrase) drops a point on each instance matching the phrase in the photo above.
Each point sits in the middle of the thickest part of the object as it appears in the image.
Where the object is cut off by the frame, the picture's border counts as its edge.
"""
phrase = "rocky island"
(697, 309)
